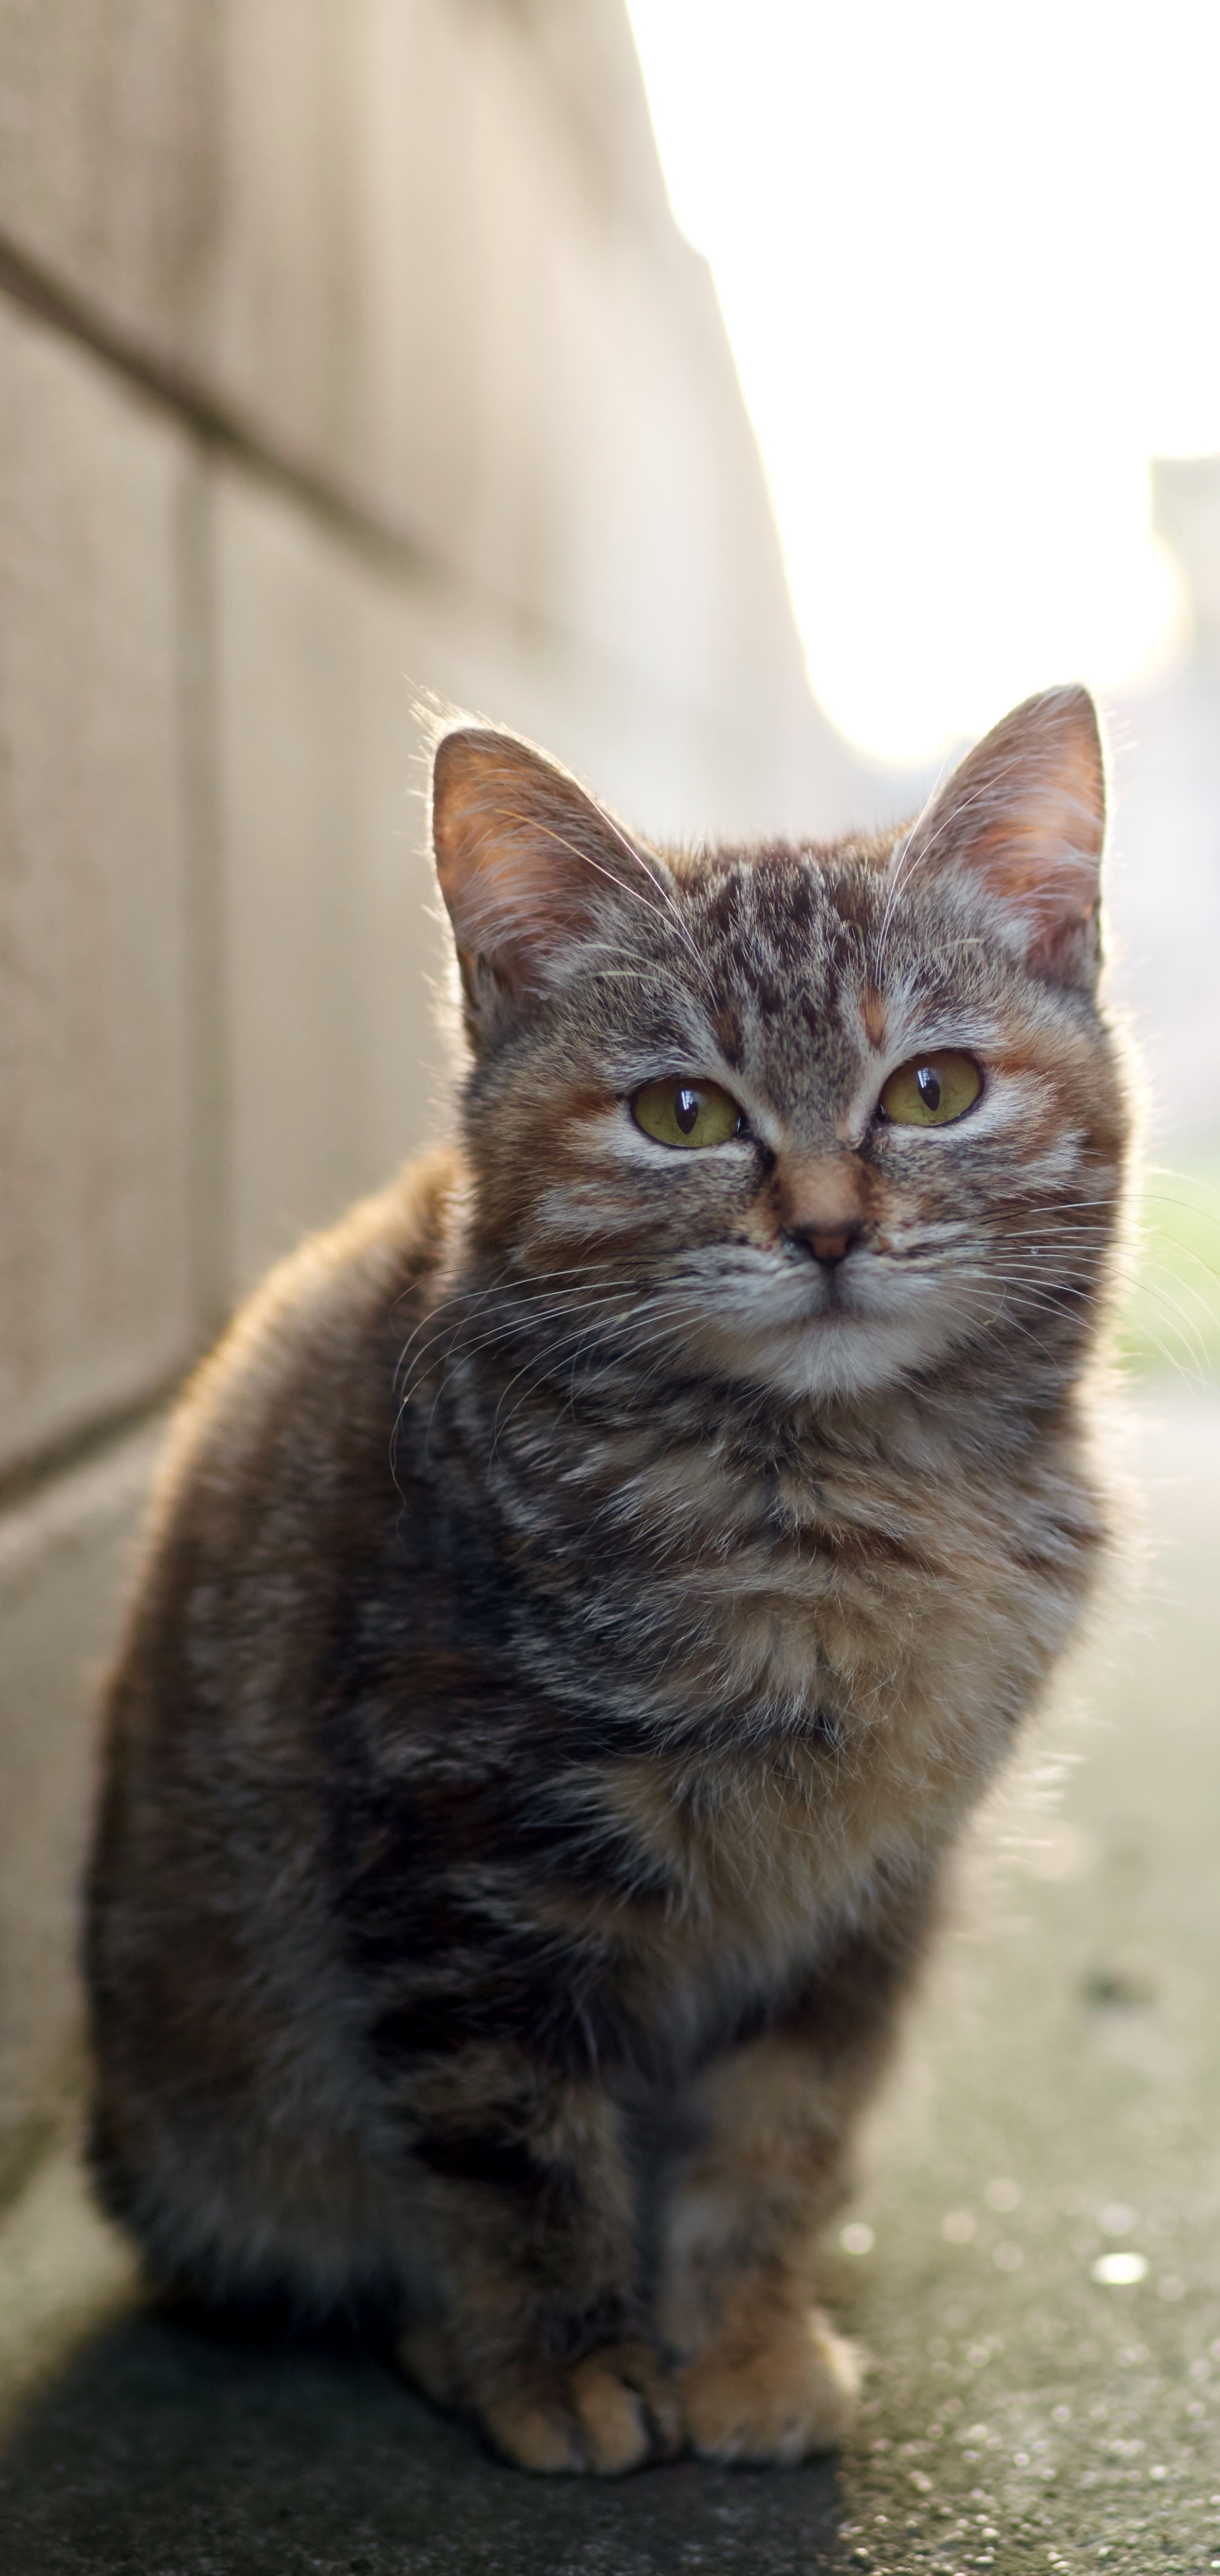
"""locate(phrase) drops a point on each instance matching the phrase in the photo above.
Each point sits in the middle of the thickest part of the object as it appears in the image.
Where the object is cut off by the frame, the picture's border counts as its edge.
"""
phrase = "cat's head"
(808, 1118)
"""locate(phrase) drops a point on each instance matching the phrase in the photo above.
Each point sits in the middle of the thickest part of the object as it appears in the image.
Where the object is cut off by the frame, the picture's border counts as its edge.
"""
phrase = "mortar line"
(222, 428)
(27, 1478)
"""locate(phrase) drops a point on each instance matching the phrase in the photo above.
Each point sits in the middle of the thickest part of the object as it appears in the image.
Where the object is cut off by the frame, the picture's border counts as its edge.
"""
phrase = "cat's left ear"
(529, 867)
(1022, 823)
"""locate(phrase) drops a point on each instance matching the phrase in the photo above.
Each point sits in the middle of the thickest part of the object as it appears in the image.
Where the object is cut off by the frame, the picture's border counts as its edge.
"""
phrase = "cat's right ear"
(528, 865)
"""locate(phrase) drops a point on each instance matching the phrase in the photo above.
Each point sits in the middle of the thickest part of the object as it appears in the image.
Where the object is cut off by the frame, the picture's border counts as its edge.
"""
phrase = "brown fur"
(588, 1591)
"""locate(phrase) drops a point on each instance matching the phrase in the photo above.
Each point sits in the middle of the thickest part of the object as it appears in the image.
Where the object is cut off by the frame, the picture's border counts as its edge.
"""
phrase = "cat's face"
(808, 1119)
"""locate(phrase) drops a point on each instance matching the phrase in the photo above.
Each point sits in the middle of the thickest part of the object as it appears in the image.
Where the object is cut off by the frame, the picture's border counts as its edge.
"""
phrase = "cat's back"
(290, 1421)
(213, 1969)
(273, 1501)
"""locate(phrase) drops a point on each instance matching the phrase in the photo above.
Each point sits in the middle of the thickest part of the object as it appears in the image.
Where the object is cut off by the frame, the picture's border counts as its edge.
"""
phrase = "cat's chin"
(845, 1356)
(823, 1356)
(780, 1327)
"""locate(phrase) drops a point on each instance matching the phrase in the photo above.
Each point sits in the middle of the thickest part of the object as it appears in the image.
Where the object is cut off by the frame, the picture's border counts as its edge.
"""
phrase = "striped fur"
(576, 1622)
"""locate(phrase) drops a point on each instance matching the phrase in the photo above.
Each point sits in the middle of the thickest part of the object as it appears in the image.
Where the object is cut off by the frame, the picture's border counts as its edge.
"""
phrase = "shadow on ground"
(161, 2447)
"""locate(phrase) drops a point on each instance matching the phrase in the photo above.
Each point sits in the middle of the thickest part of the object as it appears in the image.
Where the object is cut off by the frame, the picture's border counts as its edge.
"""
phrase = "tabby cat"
(589, 1589)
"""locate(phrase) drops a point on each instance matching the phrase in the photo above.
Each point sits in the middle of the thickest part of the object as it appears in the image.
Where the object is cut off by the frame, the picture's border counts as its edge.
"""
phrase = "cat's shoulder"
(310, 1347)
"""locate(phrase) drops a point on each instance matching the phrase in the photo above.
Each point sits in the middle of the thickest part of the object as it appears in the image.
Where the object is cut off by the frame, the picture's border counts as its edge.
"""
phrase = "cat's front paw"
(779, 2389)
(608, 2413)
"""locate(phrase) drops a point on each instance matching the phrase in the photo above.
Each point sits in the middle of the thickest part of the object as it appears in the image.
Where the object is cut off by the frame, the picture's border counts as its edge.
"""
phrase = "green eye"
(682, 1111)
(932, 1090)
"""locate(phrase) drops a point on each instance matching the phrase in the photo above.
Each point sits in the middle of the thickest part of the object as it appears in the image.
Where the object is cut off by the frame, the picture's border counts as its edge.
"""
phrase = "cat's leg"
(535, 2324)
(761, 2373)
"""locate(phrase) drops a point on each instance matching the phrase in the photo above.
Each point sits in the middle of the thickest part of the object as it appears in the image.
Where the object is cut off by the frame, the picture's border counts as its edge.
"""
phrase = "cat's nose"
(823, 1208)
(826, 1242)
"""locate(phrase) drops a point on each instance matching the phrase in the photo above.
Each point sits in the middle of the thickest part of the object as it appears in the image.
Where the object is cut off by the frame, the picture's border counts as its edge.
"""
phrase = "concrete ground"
(1033, 2402)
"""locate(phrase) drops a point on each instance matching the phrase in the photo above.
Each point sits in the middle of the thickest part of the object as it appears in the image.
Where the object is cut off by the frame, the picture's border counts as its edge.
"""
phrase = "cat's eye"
(681, 1110)
(932, 1090)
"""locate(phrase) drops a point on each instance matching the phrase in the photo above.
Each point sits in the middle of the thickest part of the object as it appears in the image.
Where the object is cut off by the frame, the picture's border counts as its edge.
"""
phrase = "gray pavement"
(1056, 2108)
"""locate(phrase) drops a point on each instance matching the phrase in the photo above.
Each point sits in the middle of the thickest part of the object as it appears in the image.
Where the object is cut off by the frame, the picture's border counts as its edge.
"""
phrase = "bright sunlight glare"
(969, 261)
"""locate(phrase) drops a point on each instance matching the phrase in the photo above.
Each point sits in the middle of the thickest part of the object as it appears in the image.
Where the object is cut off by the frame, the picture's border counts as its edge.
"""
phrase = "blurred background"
(748, 404)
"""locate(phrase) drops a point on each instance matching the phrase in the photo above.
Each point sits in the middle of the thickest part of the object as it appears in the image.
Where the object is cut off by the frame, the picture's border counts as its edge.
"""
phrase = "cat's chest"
(687, 1573)
(756, 1886)
(813, 1599)
(836, 1691)
(816, 1672)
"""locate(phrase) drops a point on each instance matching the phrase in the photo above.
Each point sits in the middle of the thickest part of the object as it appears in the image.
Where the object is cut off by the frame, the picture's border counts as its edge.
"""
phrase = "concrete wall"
(348, 358)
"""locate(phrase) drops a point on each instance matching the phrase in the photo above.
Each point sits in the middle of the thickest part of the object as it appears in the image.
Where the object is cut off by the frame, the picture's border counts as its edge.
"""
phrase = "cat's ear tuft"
(528, 865)
(1022, 822)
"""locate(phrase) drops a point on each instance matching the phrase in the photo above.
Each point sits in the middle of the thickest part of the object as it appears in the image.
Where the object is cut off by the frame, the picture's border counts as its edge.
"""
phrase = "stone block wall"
(349, 362)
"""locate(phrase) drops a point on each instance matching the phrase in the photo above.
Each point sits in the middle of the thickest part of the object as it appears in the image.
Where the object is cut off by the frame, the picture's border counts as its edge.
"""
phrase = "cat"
(588, 1590)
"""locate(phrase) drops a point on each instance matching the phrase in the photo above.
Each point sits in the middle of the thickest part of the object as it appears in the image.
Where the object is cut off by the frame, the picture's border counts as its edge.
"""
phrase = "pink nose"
(823, 1205)
(832, 1247)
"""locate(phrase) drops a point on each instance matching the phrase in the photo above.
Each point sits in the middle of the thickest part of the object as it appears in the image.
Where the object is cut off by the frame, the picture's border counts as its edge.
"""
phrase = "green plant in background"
(1172, 1312)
